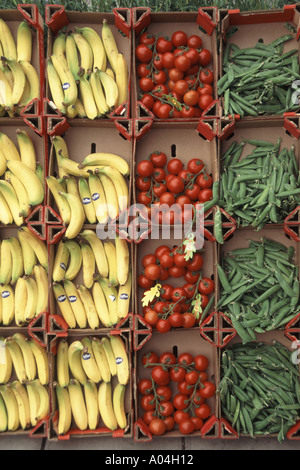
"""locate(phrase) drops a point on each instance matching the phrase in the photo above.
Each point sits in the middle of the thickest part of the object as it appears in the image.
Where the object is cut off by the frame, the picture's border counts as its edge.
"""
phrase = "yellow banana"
(21, 396)
(6, 364)
(110, 72)
(34, 81)
(101, 359)
(105, 341)
(3, 416)
(72, 111)
(85, 52)
(72, 186)
(8, 304)
(95, 41)
(12, 408)
(6, 216)
(110, 195)
(121, 358)
(101, 305)
(98, 93)
(98, 249)
(61, 262)
(122, 78)
(86, 199)
(21, 193)
(32, 294)
(67, 80)
(111, 295)
(19, 80)
(98, 198)
(77, 304)
(88, 98)
(7, 41)
(106, 159)
(29, 256)
(106, 406)
(41, 279)
(113, 262)
(44, 403)
(89, 307)
(29, 359)
(64, 305)
(62, 363)
(110, 44)
(81, 113)
(78, 405)
(8, 147)
(91, 401)
(75, 260)
(10, 196)
(59, 45)
(20, 301)
(39, 246)
(60, 146)
(120, 184)
(57, 92)
(34, 402)
(24, 42)
(119, 405)
(2, 163)
(88, 361)
(17, 259)
(110, 88)
(88, 265)
(71, 167)
(62, 204)
(64, 410)
(123, 257)
(42, 361)
(17, 359)
(5, 262)
(40, 172)
(77, 218)
(30, 180)
(72, 56)
(74, 359)
(5, 92)
(124, 295)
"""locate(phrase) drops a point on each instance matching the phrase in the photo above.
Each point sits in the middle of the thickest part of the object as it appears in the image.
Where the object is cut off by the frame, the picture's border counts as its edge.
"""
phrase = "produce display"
(23, 278)
(175, 76)
(22, 178)
(87, 74)
(24, 380)
(259, 389)
(258, 80)
(21, 83)
(92, 377)
(175, 394)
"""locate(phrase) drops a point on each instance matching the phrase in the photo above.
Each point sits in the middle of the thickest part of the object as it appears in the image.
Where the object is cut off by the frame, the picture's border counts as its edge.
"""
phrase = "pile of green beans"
(260, 389)
(259, 288)
(261, 188)
(258, 80)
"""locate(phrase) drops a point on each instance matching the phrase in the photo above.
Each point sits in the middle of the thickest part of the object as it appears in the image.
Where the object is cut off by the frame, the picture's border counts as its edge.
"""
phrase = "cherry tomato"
(189, 320)
(192, 377)
(158, 62)
(193, 192)
(166, 292)
(148, 259)
(157, 427)
(166, 260)
(175, 166)
(187, 112)
(163, 325)
(156, 107)
(164, 393)
(196, 263)
(190, 290)
(146, 84)
(180, 402)
(145, 386)
(193, 55)
(205, 181)
(180, 416)
(198, 422)
(159, 174)
(147, 101)
(145, 168)
(159, 159)
(184, 388)
(150, 358)
(143, 70)
(203, 411)
(178, 293)
(175, 185)
(143, 53)
(159, 90)
(206, 286)
(187, 427)
(167, 358)
(168, 60)
(151, 317)
(170, 423)
(191, 277)
(194, 41)
(160, 77)
(148, 402)
(177, 374)
(205, 195)
(179, 260)
(181, 87)
(160, 376)
(146, 38)
(205, 89)
(204, 300)
(159, 189)
(144, 198)
(191, 98)
(175, 75)
(164, 274)
(205, 101)
(206, 76)
(164, 111)
(208, 390)
(163, 45)
(203, 377)
(166, 408)
(195, 165)
(185, 358)
(175, 320)
(143, 183)
(177, 272)
(179, 38)
(160, 306)
(201, 363)
(197, 399)
(144, 282)
(182, 63)
(204, 57)
(161, 249)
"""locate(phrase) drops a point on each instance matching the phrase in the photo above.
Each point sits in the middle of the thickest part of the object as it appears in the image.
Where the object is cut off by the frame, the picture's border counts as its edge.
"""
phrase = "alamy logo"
(296, 355)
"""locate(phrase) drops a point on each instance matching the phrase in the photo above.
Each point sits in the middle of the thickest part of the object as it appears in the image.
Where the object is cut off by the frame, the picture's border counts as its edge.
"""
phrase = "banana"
(75, 260)
(40, 172)
(122, 78)
(17, 359)
(98, 93)
(34, 402)
(60, 146)
(63, 206)
(78, 405)
(12, 201)
(33, 79)
(64, 305)
(88, 265)
(19, 80)
(20, 301)
(59, 45)
(77, 215)
(121, 359)
(5, 91)
(62, 364)
(98, 198)
(106, 159)
(44, 403)
(32, 295)
(72, 111)
(110, 195)
(6, 217)
(101, 359)
(113, 262)
(39, 247)
(42, 361)
(71, 167)
(110, 45)
(56, 89)
(61, 262)
(20, 393)
(105, 341)
(6, 364)
(8, 304)
(30, 180)
(3, 416)
(7, 41)
(98, 249)
(110, 72)
(86, 199)
(5, 262)
(67, 80)
(17, 259)
(26, 149)
(123, 257)
(64, 410)
(29, 359)
(78, 306)
(1, 313)
(24, 42)
(72, 56)
(12, 408)
(25, 97)
(120, 185)
(110, 88)
(124, 295)
(21, 193)
(88, 361)
(75, 351)
(89, 307)
(8, 147)
(85, 52)
(95, 41)
(119, 405)
(41, 279)
(72, 186)
(101, 305)
(2, 163)
(87, 96)
(106, 406)
(111, 295)
(80, 109)
(91, 401)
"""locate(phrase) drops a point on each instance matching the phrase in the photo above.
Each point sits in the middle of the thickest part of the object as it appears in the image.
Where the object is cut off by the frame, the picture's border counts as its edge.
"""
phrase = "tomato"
(195, 165)
(185, 358)
(203, 377)
(160, 77)
(166, 292)
(197, 399)
(181, 87)
(143, 70)
(170, 423)
(198, 422)
(163, 393)
(161, 249)
(144, 282)
(180, 401)
(206, 286)
(151, 317)
(146, 84)
(147, 101)
(182, 63)
(180, 416)
(190, 290)
(166, 408)
(175, 166)
(156, 107)
(175, 320)
(143, 53)
(167, 358)
(192, 377)
(166, 260)
(150, 358)
(148, 402)
(160, 376)
(175, 185)
(159, 189)
(184, 388)
(175, 75)
(201, 363)
(168, 60)
(179, 38)
(145, 168)
(196, 263)
(159, 159)
(205, 181)
(193, 55)
(203, 411)
(148, 416)
(191, 277)
(146, 38)
(194, 41)
(179, 260)
(163, 326)
(145, 386)
(205, 101)
(164, 274)
(193, 192)
(164, 45)
(148, 259)
(144, 198)
(143, 183)
(189, 320)
(187, 427)
(164, 111)
(157, 427)
(159, 174)
(177, 374)
(204, 57)
(204, 300)
(188, 112)
(159, 90)
(178, 294)
(208, 390)
(205, 89)
(158, 62)
(205, 195)
(206, 76)
(191, 98)
(177, 272)
(160, 306)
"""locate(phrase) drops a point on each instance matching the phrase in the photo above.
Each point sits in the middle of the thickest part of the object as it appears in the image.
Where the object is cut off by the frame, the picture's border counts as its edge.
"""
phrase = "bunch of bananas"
(23, 278)
(25, 400)
(22, 178)
(84, 388)
(87, 75)
(20, 83)
(94, 191)
(101, 297)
